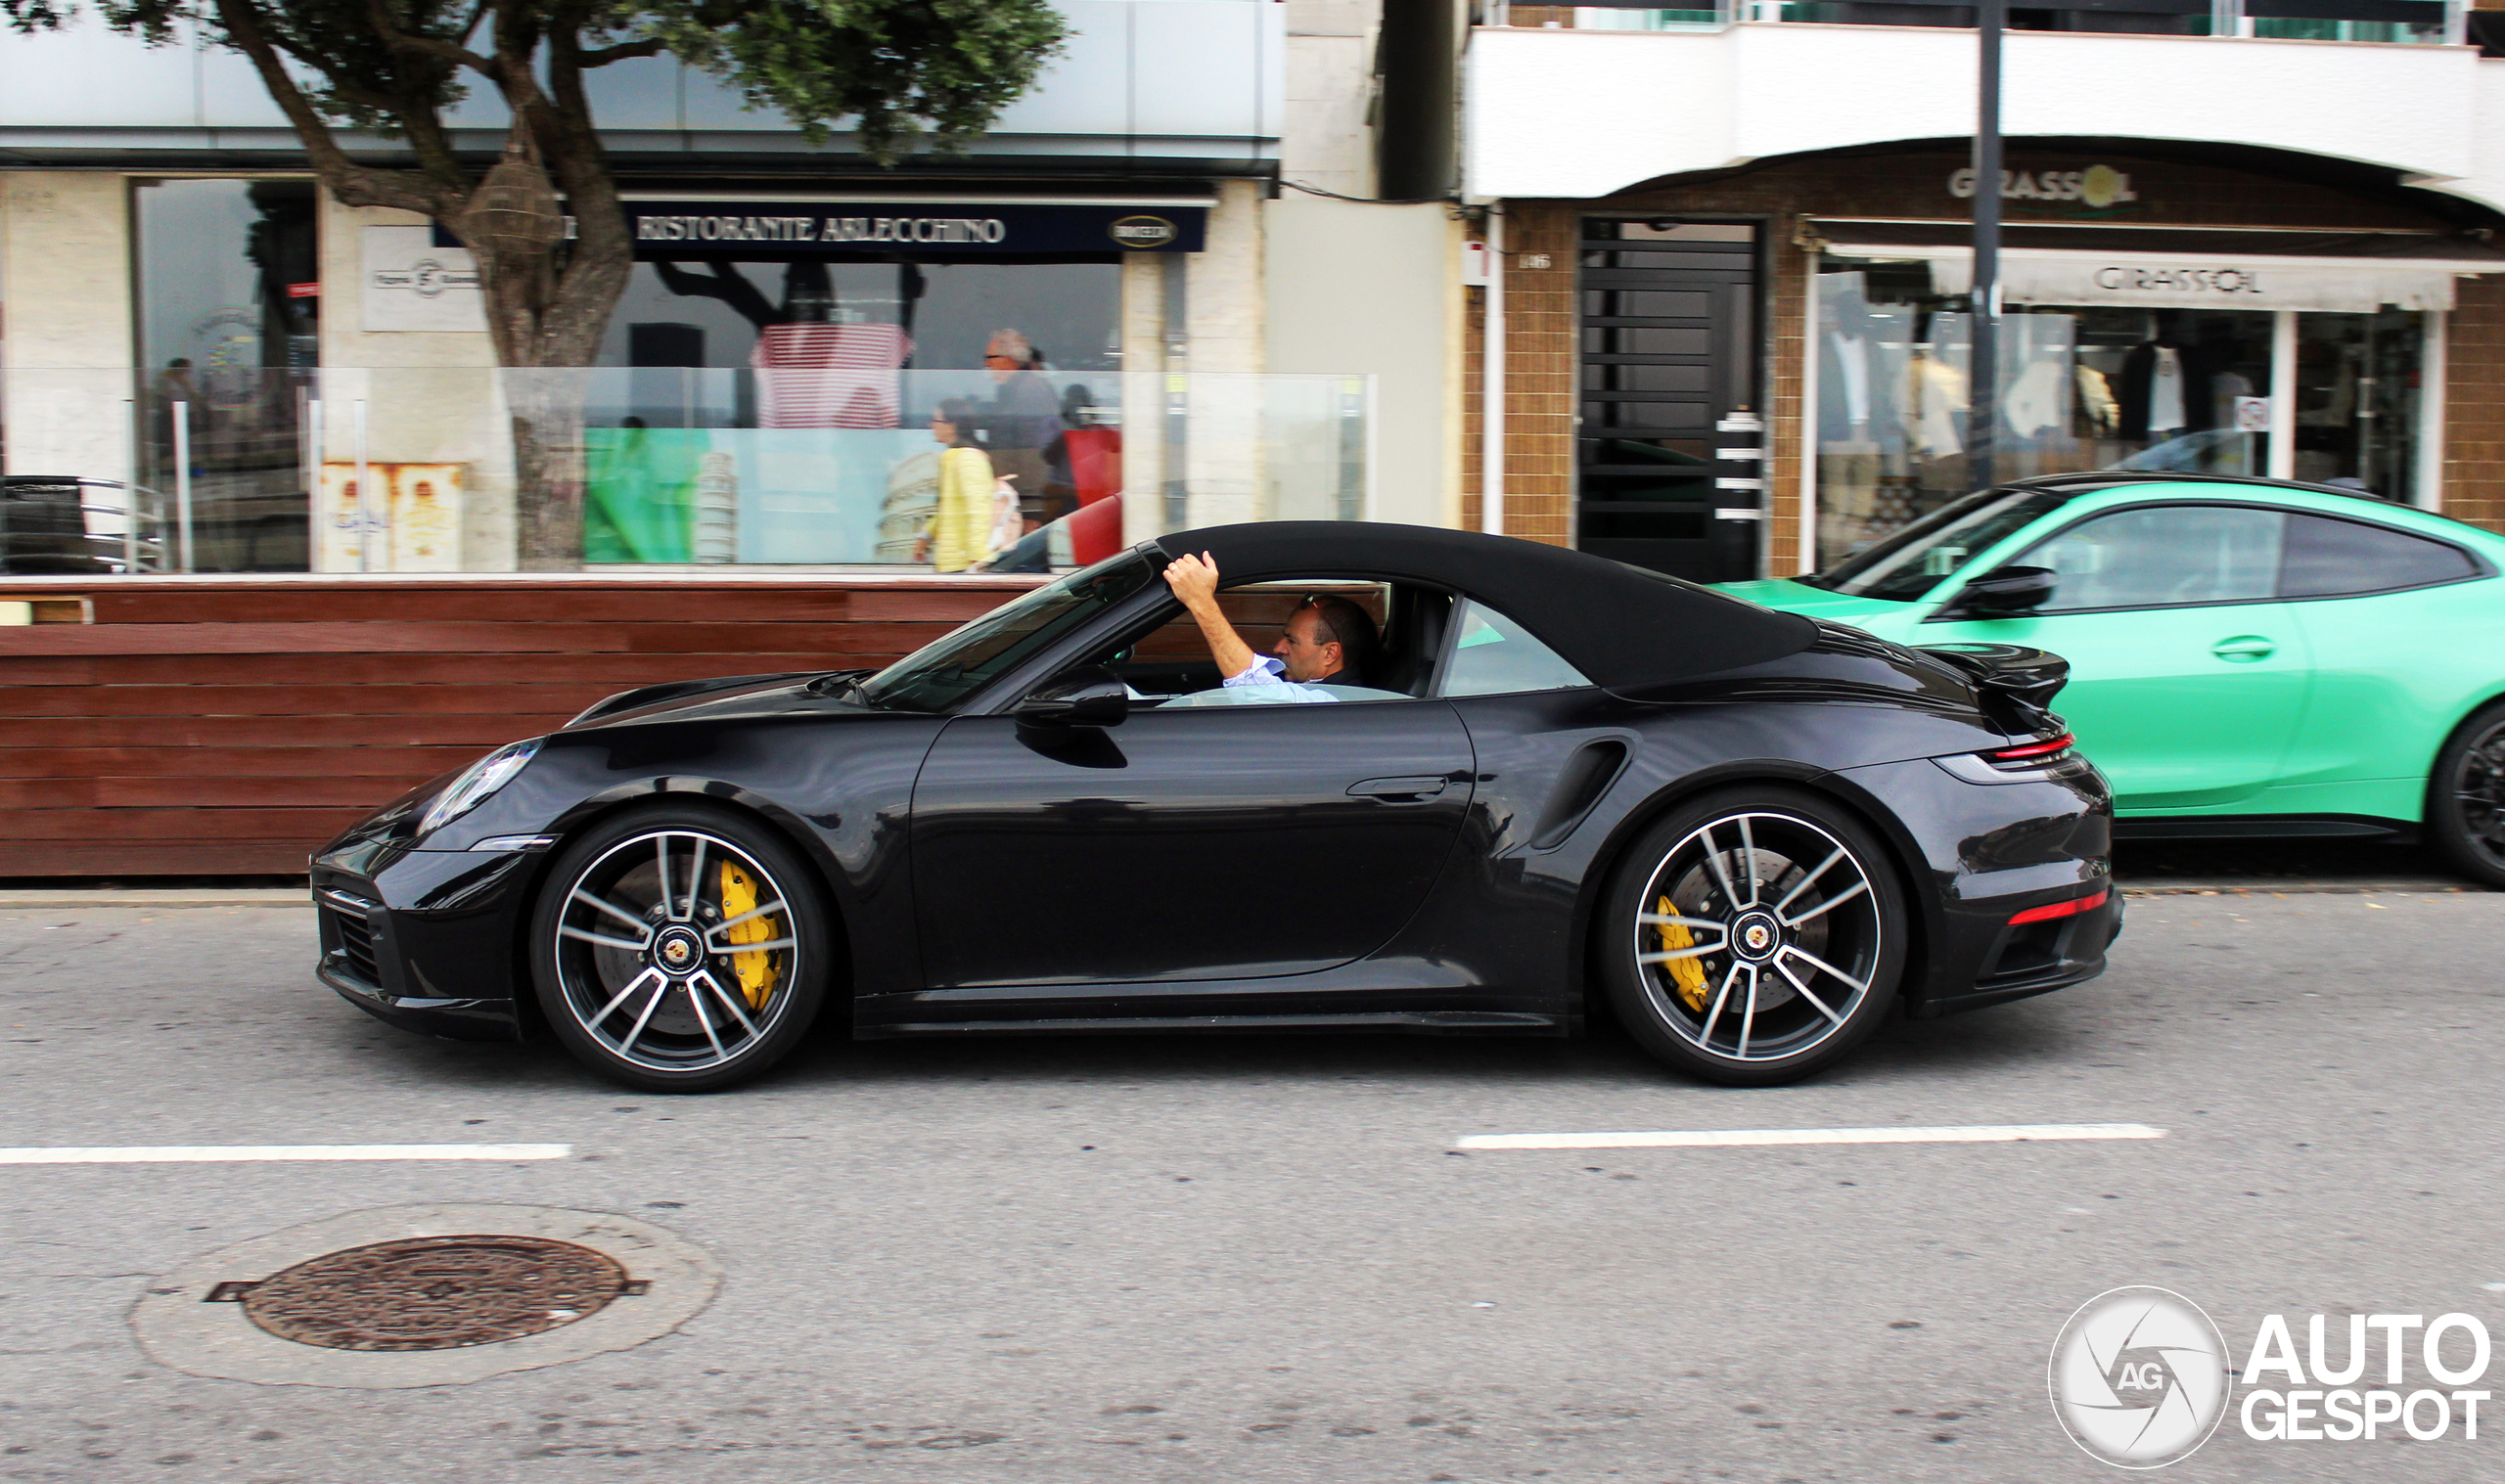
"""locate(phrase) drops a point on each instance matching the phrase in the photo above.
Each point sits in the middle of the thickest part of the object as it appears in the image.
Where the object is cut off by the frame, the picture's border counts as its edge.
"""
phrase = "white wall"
(64, 285)
(1365, 291)
(1585, 114)
(1326, 141)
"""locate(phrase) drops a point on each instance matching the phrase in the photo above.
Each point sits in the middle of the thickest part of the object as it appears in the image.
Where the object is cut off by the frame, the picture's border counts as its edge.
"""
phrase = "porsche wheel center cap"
(678, 951)
(1755, 937)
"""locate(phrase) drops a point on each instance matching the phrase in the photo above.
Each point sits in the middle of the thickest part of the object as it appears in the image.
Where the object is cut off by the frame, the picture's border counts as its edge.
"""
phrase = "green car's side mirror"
(1091, 696)
(2004, 592)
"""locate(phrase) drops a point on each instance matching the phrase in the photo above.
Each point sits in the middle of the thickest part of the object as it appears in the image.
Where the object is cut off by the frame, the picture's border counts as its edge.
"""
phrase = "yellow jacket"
(961, 526)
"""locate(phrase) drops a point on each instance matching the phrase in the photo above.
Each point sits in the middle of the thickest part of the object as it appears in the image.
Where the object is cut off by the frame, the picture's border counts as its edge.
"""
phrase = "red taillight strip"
(2054, 910)
(2061, 743)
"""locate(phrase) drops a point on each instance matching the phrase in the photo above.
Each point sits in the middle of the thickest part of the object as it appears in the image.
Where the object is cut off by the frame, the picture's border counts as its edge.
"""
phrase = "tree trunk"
(547, 324)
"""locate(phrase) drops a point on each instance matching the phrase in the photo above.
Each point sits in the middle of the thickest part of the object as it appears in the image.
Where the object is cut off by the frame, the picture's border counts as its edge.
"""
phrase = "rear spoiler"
(2015, 684)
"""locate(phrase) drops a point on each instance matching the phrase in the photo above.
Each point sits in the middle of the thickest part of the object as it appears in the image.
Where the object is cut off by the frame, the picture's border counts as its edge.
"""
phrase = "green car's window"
(2164, 556)
(2328, 558)
(1913, 560)
(946, 672)
(1497, 656)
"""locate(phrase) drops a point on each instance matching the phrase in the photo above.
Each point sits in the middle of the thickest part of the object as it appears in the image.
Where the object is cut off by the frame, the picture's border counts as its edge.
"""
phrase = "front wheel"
(1753, 937)
(680, 950)
(2466, 798)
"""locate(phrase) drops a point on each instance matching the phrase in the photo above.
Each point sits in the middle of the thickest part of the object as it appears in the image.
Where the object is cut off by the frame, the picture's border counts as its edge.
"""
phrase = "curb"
(35, 898)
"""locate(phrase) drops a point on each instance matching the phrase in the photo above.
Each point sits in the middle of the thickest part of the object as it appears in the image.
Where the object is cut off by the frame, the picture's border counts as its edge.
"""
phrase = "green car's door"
(2188, 676)
(2404, 640)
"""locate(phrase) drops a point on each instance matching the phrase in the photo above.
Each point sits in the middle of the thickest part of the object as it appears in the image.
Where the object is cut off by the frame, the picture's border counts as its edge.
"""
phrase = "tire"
(1760, 976)
(669, 990)
(2466, 798)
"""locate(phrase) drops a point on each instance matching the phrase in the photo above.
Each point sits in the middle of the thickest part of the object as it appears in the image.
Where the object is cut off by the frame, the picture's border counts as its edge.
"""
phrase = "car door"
(2188, 676)
(2403, 633)
(1190, 843)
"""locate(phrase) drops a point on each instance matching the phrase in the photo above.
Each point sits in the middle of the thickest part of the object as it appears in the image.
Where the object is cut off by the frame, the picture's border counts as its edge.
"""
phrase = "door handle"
(1399, 790)
(2245, 648)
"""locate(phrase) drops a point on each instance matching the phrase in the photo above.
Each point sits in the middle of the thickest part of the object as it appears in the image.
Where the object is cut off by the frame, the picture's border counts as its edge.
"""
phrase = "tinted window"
(1496, 656)
(2326, 557)
(1912, 561)
(2164, 556)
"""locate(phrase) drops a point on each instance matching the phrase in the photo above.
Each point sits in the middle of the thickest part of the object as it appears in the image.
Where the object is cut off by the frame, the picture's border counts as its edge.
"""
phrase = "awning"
(2195, 268)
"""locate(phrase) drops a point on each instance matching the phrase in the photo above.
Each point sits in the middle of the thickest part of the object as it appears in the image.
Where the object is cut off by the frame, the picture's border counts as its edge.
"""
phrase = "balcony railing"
(467, 469)
(2439, 23)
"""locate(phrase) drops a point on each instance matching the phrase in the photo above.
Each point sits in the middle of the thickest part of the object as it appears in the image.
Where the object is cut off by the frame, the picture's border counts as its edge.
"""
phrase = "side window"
(1496, 656)
(2328, 559)
(2162, 555)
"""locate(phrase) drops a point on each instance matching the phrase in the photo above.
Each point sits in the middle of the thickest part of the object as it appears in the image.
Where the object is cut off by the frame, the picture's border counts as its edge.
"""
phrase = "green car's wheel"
(2466, 798)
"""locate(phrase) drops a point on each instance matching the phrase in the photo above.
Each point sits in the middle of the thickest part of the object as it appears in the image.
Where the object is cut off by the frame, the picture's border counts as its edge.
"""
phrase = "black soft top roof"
(1621, 625)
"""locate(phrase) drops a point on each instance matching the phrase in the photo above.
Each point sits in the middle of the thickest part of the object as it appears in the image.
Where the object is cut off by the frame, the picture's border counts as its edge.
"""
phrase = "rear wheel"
(1753, 937)
(680, 950)
(2466, 798)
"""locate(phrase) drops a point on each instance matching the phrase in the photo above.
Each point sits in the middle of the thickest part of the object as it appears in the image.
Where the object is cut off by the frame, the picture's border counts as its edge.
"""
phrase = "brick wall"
(2474, 404)
(1541, 329)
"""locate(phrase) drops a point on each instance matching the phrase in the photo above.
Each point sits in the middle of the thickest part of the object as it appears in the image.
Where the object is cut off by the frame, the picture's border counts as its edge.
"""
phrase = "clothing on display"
(2164, 390)
(830, 376)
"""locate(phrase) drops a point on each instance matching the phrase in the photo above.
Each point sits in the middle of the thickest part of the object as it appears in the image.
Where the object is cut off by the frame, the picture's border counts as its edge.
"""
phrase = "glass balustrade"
(206, 469)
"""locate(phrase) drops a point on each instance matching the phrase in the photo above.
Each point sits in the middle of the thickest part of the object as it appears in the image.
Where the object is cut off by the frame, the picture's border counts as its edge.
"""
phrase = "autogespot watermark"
(2141, 1377)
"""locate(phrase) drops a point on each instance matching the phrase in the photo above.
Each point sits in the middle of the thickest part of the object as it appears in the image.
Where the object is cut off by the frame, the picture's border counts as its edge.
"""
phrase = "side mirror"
(1091, 696)
(2004, 592)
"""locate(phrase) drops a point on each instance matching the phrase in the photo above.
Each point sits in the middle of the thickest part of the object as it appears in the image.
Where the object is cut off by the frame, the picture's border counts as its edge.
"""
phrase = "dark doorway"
(1669, 453)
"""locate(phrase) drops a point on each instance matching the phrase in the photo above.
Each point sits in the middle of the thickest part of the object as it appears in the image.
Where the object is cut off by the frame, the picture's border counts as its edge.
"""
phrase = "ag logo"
(1140, 233)
(2139, 1377)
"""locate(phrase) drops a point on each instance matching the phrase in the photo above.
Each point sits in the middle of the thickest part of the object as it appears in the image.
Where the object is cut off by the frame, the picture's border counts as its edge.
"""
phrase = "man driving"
(1326, 646)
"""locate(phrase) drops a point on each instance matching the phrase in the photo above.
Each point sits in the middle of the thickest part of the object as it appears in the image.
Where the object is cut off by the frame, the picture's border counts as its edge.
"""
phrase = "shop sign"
(2095, 187)
(412, 285)
(751, 229)
(2202, 283)
(734, 229)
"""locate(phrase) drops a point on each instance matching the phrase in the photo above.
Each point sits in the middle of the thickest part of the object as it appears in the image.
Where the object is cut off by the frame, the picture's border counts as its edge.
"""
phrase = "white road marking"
(1977, 1133)
(248, 1153)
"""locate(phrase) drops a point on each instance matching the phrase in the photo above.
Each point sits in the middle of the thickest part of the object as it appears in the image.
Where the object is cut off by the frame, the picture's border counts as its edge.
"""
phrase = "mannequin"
(2165, 385)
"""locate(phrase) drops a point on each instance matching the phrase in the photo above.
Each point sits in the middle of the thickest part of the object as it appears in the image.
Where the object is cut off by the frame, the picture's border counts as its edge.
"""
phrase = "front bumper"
(425, 940)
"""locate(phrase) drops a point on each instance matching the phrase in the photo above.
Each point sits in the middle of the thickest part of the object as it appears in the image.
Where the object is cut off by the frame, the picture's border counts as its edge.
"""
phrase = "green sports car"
(2249, 658)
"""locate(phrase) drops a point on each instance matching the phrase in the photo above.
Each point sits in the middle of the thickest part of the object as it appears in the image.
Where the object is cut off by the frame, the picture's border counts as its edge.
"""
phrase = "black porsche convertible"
(1561, 780)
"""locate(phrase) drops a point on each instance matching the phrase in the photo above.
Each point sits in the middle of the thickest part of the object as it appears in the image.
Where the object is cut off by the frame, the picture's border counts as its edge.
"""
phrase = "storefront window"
(229, 303)
(2091, 386)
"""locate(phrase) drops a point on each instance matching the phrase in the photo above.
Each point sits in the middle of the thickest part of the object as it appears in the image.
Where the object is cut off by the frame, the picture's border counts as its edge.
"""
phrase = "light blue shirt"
(1264, 683)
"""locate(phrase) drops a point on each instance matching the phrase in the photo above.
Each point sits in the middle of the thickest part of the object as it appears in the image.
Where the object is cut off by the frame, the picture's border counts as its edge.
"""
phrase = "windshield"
(1909, 563)
(941, 674)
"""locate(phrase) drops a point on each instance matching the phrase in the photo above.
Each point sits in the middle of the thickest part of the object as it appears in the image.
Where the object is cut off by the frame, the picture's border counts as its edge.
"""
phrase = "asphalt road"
(1108, 1260)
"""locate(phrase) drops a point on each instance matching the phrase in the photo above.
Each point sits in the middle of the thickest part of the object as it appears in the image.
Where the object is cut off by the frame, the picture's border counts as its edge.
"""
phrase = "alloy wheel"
(2478, 795)
(675, 951)
(1758, 937)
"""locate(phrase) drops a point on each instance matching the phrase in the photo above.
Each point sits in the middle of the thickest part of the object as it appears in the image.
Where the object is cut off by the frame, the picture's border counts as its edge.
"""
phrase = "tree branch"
(650, 46)
(353, 184)
(389, 30)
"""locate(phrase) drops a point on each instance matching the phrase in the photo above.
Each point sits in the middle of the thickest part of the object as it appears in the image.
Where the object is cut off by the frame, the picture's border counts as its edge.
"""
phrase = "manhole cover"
(432, 1292)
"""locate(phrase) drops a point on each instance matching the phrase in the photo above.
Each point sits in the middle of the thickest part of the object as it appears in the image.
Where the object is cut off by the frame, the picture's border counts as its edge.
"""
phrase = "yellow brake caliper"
(1687, 975)
(754, 969)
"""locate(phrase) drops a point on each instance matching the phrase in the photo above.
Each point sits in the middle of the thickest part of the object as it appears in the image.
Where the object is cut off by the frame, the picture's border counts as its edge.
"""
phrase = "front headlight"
(478, 781)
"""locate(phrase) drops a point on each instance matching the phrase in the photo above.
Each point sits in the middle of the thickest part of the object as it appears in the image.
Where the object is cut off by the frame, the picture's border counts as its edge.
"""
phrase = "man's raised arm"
(1194, 580)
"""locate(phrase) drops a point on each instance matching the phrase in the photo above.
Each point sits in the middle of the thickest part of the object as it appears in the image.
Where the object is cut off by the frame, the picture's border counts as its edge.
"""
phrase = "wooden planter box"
(228, 726)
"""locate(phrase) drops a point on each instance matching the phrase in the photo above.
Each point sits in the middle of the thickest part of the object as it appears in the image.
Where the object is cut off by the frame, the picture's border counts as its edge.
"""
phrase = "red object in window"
(1095, 462)
(304, 291)
(2048, 913)
(1095, 530)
